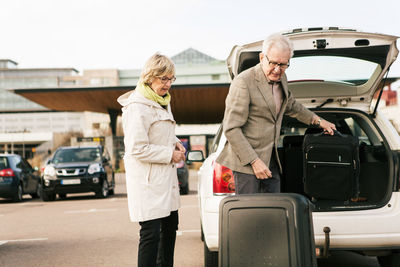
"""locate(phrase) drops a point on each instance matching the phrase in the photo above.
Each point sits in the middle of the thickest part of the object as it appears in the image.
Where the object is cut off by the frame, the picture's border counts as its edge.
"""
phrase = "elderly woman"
(151, 151)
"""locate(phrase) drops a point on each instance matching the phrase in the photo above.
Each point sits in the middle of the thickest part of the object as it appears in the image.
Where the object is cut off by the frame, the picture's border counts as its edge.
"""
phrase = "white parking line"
(30, 204)
(89, 211)
(2, 242)
(179, 233)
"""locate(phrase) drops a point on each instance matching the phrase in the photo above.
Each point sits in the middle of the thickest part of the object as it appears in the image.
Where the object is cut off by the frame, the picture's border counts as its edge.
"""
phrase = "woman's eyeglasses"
(165, 79)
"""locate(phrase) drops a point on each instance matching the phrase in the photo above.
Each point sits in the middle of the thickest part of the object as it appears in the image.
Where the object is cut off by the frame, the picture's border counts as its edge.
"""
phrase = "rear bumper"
(368, 229)
(210, 221)
(8, 190)
(374, 229)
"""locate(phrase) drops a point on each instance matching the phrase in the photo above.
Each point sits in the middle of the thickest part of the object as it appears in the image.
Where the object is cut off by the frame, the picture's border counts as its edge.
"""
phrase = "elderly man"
(257, 100)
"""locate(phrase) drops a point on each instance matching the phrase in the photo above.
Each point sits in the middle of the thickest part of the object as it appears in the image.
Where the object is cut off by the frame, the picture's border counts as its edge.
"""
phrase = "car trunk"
(337, 72)
(376, 175)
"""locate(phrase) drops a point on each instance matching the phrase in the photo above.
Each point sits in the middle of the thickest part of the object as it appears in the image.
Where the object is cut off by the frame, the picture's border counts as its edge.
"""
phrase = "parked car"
(17, 177)
(78, 170)
(183, 177)
(336, 73)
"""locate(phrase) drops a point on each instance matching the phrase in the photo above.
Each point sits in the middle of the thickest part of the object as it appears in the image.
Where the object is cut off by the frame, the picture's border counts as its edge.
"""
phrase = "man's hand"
(260, 169)
(327, 126)
(324, 124)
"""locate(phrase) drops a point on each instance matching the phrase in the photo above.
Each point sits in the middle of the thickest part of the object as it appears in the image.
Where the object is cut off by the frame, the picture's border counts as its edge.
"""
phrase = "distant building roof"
(192, 56)
(7, 63)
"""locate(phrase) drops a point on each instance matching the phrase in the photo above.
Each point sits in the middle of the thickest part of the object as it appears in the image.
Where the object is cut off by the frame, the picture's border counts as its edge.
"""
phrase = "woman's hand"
(179, 153)
(177, 156)
(180, 147)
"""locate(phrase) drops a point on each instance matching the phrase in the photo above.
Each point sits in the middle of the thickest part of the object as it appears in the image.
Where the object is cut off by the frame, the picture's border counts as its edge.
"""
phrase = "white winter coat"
(151, 176)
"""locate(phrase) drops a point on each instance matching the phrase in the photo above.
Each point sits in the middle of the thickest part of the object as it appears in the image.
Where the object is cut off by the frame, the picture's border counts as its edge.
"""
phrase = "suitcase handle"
(335, 132)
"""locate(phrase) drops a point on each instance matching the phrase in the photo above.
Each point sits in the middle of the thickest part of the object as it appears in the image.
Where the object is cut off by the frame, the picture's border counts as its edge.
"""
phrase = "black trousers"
(157, 241)
(249, 184)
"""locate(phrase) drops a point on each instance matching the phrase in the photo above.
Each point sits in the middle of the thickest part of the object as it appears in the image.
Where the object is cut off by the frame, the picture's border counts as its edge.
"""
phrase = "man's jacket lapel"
(264, 88)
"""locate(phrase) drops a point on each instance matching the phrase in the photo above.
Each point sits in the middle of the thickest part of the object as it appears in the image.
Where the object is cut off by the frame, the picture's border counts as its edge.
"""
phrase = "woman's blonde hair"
(157, 66)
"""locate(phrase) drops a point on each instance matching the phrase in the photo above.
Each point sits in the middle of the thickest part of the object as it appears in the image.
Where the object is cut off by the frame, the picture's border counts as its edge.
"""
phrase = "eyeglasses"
(165, 79)
(274, 64)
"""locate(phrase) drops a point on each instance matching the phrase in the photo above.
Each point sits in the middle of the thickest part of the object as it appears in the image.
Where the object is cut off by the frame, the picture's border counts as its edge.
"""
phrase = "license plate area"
(70, 181)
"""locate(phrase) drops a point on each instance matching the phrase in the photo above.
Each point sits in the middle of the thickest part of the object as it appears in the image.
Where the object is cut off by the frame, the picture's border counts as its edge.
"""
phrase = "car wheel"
(210, 257)
(48, 196)
(392, 260)
(37, 193)
(111, 192)
(18, 195)
(103, 192)
(62, 196)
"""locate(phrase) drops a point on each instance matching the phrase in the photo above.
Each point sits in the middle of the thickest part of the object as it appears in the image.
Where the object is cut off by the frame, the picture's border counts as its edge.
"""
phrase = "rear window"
(4, 163)
(347, 70)
(77, 155)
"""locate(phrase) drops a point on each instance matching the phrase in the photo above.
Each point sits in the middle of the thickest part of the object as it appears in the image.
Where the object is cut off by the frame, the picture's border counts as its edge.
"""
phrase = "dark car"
(183, 177)
(78, 170)
(17, 177)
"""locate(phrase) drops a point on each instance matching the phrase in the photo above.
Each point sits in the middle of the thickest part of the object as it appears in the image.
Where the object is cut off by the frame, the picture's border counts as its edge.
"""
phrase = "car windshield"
(77, 155)
(347, 70)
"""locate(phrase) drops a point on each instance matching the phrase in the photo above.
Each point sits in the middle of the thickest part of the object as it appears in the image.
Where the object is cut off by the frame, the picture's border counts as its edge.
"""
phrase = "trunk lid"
(331, 67)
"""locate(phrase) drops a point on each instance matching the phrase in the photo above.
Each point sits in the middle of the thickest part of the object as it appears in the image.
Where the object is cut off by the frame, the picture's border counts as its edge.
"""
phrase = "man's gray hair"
(277, 40)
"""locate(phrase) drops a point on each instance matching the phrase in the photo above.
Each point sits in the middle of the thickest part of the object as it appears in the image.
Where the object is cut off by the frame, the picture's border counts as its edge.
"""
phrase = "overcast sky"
(122, 34)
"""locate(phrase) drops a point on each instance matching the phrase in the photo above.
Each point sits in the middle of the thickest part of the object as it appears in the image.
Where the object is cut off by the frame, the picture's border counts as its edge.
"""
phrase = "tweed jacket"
(250, 124)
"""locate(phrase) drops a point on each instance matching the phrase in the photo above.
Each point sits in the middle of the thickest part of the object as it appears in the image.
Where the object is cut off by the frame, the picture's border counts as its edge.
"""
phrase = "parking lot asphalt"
(85, 231)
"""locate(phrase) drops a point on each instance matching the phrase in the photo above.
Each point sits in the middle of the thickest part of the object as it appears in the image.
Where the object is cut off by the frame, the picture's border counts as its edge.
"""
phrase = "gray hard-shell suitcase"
(266, 230)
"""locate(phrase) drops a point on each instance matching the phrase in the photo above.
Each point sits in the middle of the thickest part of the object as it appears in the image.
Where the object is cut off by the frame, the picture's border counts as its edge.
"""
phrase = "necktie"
(277, 93)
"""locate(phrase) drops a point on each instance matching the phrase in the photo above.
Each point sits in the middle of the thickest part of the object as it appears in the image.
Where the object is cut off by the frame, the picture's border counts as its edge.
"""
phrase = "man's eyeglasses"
(274, 64)
(165, 79)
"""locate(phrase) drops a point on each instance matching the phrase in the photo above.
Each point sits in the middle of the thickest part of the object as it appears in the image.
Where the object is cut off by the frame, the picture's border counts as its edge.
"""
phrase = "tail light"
(6, 172)
(223, 181)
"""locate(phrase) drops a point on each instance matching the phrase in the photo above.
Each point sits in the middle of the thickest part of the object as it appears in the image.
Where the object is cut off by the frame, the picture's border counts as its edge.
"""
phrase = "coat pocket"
(160, 174)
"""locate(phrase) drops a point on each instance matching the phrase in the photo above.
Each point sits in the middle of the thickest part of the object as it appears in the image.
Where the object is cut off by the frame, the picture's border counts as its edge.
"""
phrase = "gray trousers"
(249, 184)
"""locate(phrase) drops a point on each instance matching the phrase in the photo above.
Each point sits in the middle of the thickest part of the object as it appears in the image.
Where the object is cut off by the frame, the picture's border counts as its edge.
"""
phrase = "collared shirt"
(277, 93)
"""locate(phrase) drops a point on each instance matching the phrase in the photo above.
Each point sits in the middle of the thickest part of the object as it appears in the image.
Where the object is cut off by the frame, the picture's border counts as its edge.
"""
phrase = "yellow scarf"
(148, 93)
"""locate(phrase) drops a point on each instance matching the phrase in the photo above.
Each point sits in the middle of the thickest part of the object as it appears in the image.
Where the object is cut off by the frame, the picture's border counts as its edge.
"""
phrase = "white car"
(336, 73)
